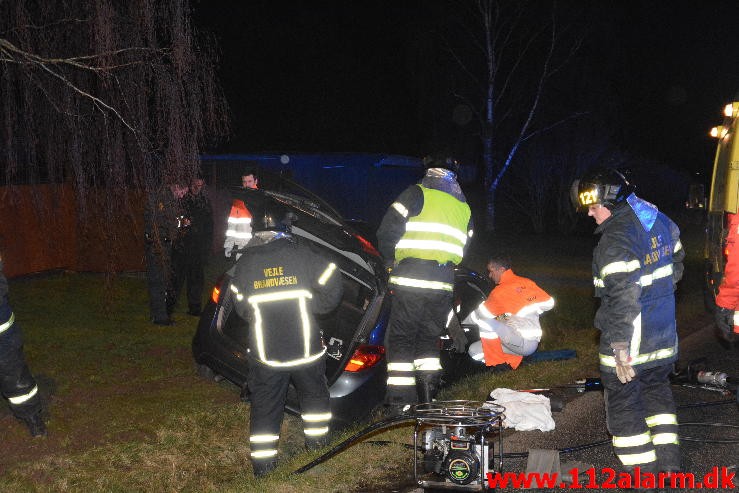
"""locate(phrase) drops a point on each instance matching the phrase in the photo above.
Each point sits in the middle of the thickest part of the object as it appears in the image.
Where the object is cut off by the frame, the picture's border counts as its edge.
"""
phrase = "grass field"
(127, 411)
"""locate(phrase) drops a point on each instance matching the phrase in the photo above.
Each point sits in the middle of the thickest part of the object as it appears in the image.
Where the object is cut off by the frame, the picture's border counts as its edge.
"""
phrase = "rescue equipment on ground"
(457, 443)
(454, 438)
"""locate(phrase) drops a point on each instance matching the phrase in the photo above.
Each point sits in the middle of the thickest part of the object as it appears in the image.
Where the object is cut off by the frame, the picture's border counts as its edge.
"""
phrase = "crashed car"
(353, 333)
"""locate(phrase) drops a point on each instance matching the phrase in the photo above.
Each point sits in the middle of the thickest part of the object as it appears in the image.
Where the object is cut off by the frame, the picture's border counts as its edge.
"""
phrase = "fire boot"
(427, 386)
(35, 425)
(316, 444)
(263, 467)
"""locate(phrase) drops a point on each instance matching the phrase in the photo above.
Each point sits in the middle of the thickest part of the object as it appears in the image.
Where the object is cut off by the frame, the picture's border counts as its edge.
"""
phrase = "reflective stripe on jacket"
(438, 232)
(278, 287)
(238, 228)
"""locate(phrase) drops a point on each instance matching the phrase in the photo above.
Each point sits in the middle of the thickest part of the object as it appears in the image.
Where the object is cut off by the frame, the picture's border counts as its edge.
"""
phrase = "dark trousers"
(268, 388)
(159, 279)
(641, 418)
(188, 268)
(16, 382)
(417, 319)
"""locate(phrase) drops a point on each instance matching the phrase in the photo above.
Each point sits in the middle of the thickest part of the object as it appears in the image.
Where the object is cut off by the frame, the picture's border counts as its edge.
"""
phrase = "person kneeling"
(509, 319)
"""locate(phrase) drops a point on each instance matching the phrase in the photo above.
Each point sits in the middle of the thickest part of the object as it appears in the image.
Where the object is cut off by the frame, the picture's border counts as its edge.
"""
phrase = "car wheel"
(207, 373)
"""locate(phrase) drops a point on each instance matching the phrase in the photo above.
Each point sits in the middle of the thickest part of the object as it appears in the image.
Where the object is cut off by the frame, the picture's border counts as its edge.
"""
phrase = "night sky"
(335, 76)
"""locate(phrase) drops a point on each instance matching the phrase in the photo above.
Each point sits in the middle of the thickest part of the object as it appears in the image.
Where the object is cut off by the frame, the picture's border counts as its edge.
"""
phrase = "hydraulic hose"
(706, 404)
(379, 425)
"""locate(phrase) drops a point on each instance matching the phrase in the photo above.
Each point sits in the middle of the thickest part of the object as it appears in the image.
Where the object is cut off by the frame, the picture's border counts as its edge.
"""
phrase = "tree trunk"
(490, 210)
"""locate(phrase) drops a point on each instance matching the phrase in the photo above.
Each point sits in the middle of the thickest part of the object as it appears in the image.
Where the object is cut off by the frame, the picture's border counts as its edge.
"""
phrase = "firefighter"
(16, 382)
(727, 300)
(422, 237)
(163, 219)
(509, 319)
(278, 287)
(238, 229)
(636, 266)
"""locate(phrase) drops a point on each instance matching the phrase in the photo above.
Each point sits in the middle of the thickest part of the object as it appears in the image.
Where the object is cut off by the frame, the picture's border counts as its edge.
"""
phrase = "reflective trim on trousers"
(315, 417)
(315, 432)
(665, 439)
(7, 324)
(263, 438)
(263, 454)
(427, 364)
(661, 419)
(632, 441)
(20, 399)
(401, 381)
(636, 459)
(400, 367)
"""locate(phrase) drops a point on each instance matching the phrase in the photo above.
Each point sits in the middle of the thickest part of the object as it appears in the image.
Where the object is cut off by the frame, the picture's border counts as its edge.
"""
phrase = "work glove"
(624, 370)
(456, 332)
(725, 322)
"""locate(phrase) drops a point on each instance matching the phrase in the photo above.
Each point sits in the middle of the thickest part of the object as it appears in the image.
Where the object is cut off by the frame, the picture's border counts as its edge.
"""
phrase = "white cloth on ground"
(524, 411)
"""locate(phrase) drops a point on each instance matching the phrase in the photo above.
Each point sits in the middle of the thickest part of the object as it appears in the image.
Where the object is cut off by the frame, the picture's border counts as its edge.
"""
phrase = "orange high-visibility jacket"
(515, 296)
(238, 232)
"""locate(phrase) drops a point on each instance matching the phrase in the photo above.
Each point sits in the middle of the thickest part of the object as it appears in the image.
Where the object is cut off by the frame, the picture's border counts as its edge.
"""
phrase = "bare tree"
(105, 95)
(510, 57)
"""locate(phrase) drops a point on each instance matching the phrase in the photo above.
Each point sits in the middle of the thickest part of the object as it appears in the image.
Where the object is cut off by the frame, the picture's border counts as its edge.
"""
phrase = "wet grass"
(128, 413)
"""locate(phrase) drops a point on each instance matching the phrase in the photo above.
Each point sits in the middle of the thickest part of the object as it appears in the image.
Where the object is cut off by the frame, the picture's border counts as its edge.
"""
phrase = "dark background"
(347, 76)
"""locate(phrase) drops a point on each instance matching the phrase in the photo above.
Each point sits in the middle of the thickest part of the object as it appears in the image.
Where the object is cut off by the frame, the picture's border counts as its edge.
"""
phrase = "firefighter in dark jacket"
(190, 251)
(163, 220)
(16, 382)
(636, 266)
(277, 288)
(422, 237)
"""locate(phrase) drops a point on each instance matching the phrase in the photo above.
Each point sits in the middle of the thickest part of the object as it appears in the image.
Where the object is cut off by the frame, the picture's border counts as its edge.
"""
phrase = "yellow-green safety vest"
(439, 232)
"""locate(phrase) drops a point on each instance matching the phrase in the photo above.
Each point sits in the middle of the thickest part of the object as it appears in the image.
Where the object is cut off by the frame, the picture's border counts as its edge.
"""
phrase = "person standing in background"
(238, 229)
(191, 250)
(163, 220)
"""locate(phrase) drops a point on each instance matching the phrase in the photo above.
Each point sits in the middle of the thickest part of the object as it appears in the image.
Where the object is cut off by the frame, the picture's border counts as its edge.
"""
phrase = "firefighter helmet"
(605, 186)
(441, 161)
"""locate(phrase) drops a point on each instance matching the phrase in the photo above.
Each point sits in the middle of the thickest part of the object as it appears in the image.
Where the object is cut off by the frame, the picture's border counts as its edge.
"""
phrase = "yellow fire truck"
(724, 198)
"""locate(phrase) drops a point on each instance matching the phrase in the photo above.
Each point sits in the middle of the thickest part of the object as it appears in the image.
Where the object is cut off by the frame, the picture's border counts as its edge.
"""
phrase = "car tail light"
(366, 356)
(367, 246)
(215, 294)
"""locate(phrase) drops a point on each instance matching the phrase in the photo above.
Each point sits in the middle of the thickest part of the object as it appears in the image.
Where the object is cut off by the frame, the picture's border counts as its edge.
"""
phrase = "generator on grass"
(456, 444)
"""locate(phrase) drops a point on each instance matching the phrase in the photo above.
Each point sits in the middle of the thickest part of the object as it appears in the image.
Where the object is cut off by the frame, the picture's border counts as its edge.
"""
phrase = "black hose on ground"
(385, 423)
